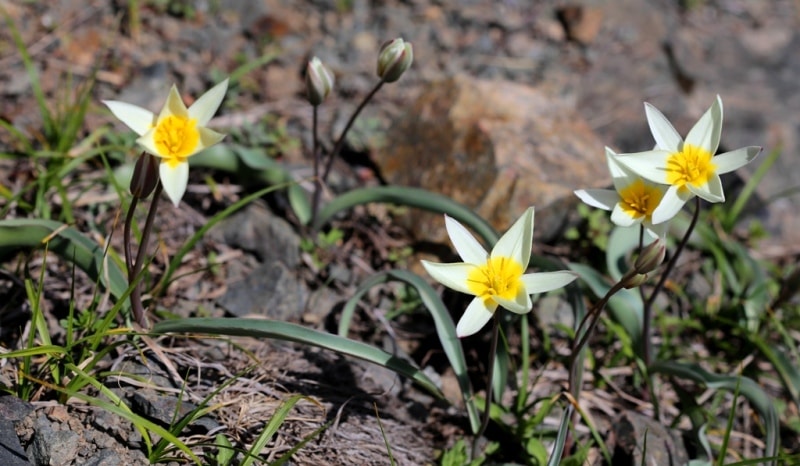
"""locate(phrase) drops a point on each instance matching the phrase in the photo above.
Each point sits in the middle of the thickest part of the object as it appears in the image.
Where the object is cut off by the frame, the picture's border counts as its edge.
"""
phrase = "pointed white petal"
(204, 108)
(208, 138)
(622, 218)
(663, 132)
(621, 176)
(174, 180)
(453, 276)
(604, 199)
(650, 165)
(516, 243)
(134, 117)
(521, 304)
(711, 191)
(671, 204)
(174, 105)
(467, 247)
(148, 143)
(735, 159)
(547, 281)
(706, 132)
(474, 318)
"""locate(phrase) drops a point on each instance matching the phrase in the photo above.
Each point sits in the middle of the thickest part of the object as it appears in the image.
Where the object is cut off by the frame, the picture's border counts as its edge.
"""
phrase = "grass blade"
(747, 387)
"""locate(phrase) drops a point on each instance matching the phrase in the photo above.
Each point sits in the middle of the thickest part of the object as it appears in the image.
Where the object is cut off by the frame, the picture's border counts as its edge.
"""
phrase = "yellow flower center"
(692, 165)
(640, 199)
(500, 276)
(176, 138)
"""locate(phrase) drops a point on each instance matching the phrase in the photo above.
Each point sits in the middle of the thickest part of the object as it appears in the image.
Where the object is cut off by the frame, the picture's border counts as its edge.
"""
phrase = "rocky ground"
(523, 94)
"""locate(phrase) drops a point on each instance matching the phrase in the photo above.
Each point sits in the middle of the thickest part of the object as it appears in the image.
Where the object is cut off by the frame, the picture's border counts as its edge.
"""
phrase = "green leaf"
(68, 243)
(259, 328)
(272, 427)
(412, 197)
(747, 387)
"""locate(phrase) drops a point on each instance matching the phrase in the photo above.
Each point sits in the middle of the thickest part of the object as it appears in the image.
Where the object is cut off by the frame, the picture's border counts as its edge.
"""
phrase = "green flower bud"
(145, 175)
(651, 257)
(319, 81)
(634, 280)
(394, 59)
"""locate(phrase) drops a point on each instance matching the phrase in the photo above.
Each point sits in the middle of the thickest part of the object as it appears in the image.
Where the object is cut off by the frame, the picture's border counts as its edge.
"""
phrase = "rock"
(51, 446)
(256, 229)
(273, 288)
(632, 430)
(497, 147)
(581, 23)
(11, 451)
(270, 290)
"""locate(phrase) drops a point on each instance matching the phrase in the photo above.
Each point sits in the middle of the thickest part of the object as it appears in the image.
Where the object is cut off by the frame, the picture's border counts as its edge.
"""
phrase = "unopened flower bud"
(145, 175)
(394, 59)
(634, 280)
(651, 257)
(319, 81)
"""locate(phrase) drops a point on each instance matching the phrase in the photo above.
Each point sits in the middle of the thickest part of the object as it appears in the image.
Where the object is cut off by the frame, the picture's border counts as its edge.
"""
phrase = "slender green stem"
(489, 385)
(648, 305)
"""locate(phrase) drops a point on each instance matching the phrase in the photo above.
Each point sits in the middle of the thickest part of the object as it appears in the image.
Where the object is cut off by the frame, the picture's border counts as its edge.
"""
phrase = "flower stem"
(317, 162)
(489, 385)
(135, 267)
(340, 142)
(648, 305)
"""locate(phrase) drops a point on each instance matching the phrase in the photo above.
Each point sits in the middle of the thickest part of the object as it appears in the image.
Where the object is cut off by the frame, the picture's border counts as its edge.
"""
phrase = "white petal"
(621, 176)
(174, 105)
(735, 159)
(671, 204)
(453, 276)
(204, 108)
(663, 132)
(521, 304)
(706, 132)
(475, 317)
(174, 180)
(467, 247)
(650, 165)
(208, 138)
(711, 191)
(547, 281)
(622, 218)
(149, 143)
(604, 199)
(516, 243)
(134, 117)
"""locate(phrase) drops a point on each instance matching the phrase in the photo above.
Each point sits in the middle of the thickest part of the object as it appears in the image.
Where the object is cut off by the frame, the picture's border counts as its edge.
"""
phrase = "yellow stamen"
(692, 165)
(176, 138)
(639, 199)
(500, 276)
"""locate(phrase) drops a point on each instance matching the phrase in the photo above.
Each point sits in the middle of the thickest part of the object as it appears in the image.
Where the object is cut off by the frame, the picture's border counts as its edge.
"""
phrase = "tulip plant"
(502, 277)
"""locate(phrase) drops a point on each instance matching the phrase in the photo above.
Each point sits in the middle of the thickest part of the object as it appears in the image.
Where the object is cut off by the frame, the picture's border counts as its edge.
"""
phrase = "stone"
(270, 290)
(630, 432)
(50, 446)
(11, 451)
(497, 147)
